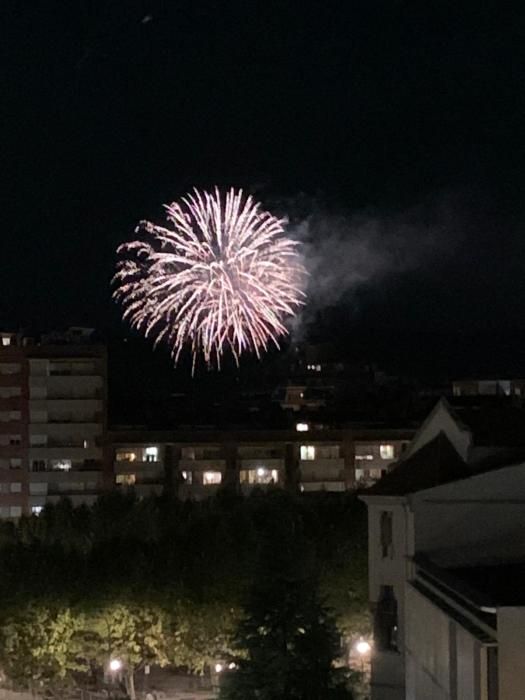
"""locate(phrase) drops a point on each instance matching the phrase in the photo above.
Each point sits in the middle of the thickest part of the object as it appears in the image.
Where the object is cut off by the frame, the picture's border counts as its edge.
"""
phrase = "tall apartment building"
(52, 421)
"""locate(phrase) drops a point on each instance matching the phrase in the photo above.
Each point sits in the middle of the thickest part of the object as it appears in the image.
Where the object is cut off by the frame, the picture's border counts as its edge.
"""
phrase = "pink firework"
(221, 276)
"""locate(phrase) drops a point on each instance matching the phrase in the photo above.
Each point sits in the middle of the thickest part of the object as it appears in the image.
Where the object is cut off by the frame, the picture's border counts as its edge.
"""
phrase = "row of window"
(9, 392)
(307, 453)
(261, 475)
(11, 487)
(9, 416)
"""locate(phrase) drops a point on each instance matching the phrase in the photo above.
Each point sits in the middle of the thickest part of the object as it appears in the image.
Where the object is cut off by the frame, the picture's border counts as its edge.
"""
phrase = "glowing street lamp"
(115, 665)
(362, 647)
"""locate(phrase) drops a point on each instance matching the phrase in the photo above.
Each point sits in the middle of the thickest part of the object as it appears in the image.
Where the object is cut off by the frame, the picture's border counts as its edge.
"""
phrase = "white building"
(444, 527)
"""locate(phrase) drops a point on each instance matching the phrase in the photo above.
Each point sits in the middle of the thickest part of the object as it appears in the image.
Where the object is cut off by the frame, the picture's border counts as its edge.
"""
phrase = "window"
(38, 416)
(15, 511)
(125, 479)
(15, 487)
(14, 415)
(151, 454)
(302, 427)
(187, 477)
(38, 465)
(261, 475)
(212, 477)
(307, 452)
(327, 452)
(38, 440)
(7, 368)
(386, 532)
(36, 510)
(37, 488)
(125, 456)
(386, 451)
(15, 439)
(385, 620)
(7, 392)
(61, 465)
(4, 487)
(15, 463)
(6, 340)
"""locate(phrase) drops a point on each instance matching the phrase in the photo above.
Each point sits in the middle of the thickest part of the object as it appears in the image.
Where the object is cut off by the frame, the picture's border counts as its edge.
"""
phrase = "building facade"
(453, 506)
(197, 463)
(53, 423)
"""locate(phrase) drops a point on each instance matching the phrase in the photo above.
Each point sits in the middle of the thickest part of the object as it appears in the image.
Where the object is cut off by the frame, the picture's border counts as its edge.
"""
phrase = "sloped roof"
(434, 464)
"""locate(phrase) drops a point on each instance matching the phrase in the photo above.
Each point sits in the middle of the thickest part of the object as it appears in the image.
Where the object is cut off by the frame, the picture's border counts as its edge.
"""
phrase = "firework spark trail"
(222, 277)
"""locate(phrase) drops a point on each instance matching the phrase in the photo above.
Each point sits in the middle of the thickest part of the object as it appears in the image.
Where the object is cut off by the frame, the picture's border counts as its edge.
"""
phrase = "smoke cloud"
(345, 253)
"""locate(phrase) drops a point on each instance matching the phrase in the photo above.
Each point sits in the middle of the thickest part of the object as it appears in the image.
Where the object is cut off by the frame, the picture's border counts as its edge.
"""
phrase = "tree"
(288, 642)
(40, 647)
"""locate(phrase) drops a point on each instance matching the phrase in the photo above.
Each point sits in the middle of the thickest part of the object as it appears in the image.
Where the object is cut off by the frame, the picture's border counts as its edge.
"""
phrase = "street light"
(362, 647)
(115, 665)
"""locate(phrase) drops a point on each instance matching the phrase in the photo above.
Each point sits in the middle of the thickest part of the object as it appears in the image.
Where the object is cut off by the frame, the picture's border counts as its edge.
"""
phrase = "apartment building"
(52, 421)
(197, 463)
(445, 531)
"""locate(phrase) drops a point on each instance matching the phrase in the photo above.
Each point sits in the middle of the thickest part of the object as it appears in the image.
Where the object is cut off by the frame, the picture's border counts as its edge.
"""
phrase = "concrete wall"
(475, 520)
(443, 660)
(388, 666)
(511, 642)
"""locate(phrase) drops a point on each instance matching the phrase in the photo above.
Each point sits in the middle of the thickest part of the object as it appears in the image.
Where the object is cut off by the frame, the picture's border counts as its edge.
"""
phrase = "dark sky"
(113, 107)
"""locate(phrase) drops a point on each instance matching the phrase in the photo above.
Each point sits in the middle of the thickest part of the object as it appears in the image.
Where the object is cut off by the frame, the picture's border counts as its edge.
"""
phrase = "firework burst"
(221, 276)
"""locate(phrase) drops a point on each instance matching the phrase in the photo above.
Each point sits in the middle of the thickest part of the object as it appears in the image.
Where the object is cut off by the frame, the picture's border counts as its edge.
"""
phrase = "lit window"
(61, 465)
(6, 340)
(307, 452)
(15, 463)
(187, 476)
(317, 368)
(36, 510)
(151, 454)
(302, 427)
(125, 456)
(125, 479)
(210, 478)
(261, 475)
(386, 451)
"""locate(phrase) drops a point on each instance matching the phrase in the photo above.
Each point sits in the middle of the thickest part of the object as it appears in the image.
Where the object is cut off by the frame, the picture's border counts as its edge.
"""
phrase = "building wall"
(443, 660)
(62, 421)
(388, 670)
(473, 520)
(14, 418)
(511, 643)
(309, 461)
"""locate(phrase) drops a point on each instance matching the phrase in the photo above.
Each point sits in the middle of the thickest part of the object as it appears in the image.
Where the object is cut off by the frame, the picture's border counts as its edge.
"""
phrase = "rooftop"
(434, 464)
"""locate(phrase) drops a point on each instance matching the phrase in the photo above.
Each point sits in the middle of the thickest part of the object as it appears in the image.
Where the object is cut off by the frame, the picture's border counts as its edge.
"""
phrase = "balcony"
(202, 465)
(261, 462)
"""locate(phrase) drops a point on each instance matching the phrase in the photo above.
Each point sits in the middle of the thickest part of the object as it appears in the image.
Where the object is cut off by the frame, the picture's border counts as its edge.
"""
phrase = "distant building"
(52, 421)
(445, 525)
(197, 462)
(489, 387)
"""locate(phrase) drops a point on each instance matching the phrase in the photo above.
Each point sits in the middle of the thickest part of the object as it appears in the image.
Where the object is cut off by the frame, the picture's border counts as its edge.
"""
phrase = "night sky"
(375, 109)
